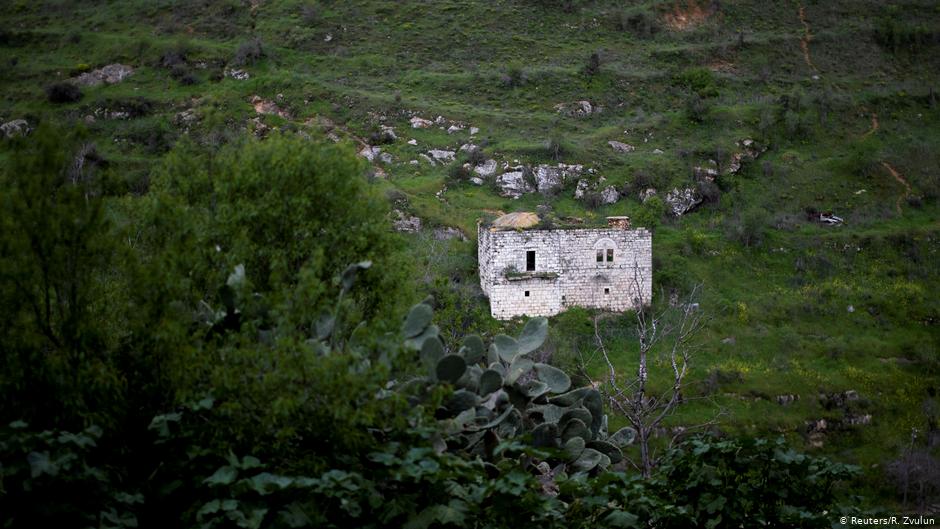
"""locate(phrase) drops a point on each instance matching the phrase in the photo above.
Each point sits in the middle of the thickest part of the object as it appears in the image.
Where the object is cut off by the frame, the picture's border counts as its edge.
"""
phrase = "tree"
(670, 331)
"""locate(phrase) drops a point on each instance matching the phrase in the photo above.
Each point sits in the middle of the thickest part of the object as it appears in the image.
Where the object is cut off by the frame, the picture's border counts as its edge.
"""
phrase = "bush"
(248, 53)
(699, 80)
(696, 108)
(651, 213)
(640, 24)
(593, 66)
(63, 92)
(748, 228)
(514, 76)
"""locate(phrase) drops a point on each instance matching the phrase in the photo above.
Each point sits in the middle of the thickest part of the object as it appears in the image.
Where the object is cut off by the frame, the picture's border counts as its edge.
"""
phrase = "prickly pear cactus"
(500, 393)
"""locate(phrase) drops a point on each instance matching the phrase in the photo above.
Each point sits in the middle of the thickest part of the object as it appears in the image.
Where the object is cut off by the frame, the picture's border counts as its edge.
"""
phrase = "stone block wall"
(567, 272)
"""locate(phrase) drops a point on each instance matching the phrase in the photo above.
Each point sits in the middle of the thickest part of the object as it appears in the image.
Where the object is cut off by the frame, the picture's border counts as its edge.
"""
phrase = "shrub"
(593, 66)
(514, 76)
(749, 227)
(310, 14)
(651, 213)
(248, 53)
(63, 92)
(640, 24)
(699, 80)
(709, 191)
(696, 108)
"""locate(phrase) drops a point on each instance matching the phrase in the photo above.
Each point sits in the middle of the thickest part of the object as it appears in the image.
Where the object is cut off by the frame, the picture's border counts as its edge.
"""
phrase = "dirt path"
(901, 180)
(874, 124)
(807, 37)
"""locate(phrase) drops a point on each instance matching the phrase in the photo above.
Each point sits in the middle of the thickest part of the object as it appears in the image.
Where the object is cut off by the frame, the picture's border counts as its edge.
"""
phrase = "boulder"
(454, 128)
(705, 173)
(441, 155)
(110, 74)
(266, 106)
(609, 195)
(657, 151)
(14, 128)
(513, 183)
(388, 133)
(412, 142)
(548, 178)
(621, 147)
(428, 159)
(186, 118)
(647, 194)
(420, 123)
(386, 158)
(581, 189)
(476, 180)
(576, 109)
(468, 147)
(486, 169)
(370, 153)
(238, 75)
(406, 223)
(447, 233)
(682, 201)
(474, 130)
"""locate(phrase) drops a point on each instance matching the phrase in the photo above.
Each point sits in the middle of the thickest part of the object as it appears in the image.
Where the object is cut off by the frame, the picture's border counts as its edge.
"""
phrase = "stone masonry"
(541, 272)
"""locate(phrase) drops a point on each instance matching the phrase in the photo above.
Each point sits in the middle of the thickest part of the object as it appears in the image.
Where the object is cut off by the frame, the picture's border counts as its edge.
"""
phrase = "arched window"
(604, 251)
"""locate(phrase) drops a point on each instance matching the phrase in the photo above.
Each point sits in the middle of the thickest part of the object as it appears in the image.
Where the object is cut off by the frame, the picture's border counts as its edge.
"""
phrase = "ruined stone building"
(532, 271)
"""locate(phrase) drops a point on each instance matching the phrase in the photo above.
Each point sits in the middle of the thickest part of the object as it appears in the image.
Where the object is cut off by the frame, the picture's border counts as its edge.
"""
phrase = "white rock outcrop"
(682, 201)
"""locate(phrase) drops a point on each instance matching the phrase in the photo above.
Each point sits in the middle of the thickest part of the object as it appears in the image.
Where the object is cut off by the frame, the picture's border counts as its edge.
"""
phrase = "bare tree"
(671, 331)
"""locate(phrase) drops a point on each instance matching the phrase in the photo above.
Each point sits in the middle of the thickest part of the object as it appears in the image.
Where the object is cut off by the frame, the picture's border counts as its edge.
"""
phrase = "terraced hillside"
(784, 153)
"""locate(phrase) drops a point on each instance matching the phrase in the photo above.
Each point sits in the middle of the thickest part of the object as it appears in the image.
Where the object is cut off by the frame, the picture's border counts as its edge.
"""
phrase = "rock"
(581, 189)
(447, 233)
(265, 106)
(474, 130)
(454, 128)
(486, 169)
(258, 127)
(704, 173)
(238, 75)
(850, 309)
(682, 201)
(621, 147)
(186, 118)
(439, 120)
(548, 178)
(14, 128)
(786, 400)
(657, 151)
(442, 156)
(468, 147)
(412, 142)
(370, 153)
(576, 109)
(110, 74)
(513, 183)
(476, 180)
(386, 158)
(388, 133)
(414, 162)
(610, 195)
(647, 194)
(420, 123)
(428, 158)
(406, 223)
(729, 340)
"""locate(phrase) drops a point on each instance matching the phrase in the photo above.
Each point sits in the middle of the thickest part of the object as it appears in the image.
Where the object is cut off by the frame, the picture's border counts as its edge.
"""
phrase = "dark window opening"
(526, 293)
(530, 260)
(606, 291)
(563, 299)
(610, 255)
(600, 256)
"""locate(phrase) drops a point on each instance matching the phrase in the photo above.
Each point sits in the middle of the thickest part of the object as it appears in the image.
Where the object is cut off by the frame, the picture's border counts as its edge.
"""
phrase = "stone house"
(533, 271)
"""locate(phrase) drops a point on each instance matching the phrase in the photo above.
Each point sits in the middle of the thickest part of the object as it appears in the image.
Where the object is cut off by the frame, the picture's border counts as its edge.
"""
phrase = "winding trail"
(874, 124)
(807, 37)
(901, 180)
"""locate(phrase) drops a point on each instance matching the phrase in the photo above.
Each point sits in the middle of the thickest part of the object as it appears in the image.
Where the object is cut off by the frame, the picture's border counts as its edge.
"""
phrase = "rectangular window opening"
(606, 291)
(600, 256)
(526, 293)
(530, 261)
(610, 255)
